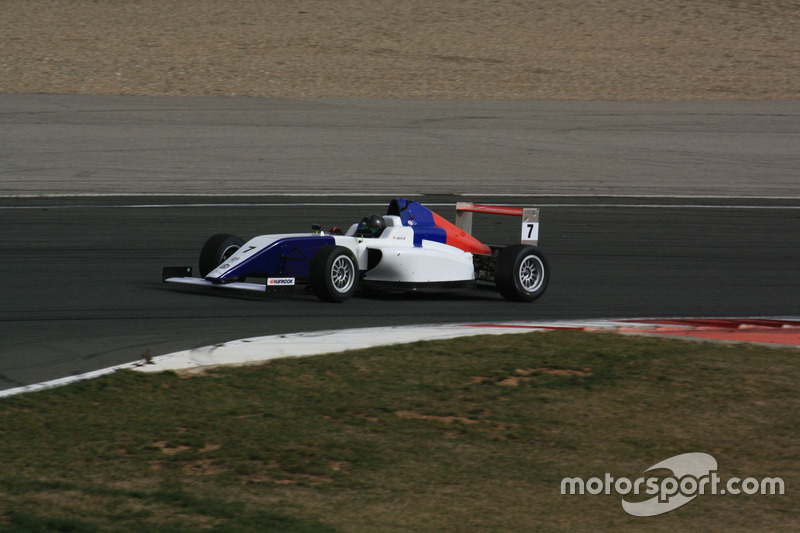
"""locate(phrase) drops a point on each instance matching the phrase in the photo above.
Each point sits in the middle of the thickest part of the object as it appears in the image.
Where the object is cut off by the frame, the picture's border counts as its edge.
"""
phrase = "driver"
(371, 226)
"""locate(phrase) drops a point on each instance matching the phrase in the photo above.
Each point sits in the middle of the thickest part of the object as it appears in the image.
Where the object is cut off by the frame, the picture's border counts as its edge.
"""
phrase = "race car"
(409, 248)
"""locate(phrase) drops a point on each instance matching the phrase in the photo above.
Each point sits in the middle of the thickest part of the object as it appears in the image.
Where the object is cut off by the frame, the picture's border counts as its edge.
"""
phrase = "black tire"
(217, 250)
(521, 273)
(333, 273)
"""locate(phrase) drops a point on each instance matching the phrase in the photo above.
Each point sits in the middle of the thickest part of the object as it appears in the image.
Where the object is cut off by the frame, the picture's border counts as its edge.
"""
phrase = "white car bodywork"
(402, 262)
(411, 248)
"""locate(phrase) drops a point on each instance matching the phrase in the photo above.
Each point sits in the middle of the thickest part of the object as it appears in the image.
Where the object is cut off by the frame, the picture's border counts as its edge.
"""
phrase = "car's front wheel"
(334, 273)
(217, 249)
(522, 273)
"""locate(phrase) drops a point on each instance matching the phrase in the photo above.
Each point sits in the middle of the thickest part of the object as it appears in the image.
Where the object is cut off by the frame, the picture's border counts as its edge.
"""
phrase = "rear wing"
(529, 232)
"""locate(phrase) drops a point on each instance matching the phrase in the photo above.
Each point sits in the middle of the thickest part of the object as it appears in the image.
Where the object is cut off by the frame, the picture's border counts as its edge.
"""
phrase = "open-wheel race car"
(409, 248)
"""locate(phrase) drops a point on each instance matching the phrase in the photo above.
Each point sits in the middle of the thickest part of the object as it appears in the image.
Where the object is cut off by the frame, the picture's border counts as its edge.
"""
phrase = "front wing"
(183, 276)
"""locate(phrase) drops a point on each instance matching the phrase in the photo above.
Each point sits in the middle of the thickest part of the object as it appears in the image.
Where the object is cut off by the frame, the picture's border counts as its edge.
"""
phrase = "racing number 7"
(530, 231)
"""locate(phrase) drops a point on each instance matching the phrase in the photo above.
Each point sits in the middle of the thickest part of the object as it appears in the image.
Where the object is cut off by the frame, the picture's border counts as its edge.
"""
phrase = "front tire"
(217, 250)
(334, 273)
(522, 273)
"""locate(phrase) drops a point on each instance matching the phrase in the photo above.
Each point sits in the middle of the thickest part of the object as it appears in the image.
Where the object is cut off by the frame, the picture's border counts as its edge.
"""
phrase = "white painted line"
(670, 206)
(646, 196)
(382, 204)
(203, 205)
(393, 195)
(197, 195)
(64, 381)
(258, 350)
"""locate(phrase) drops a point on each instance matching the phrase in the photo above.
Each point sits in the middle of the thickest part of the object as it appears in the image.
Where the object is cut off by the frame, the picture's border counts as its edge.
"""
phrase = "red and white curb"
(766, 331)
(775, 332)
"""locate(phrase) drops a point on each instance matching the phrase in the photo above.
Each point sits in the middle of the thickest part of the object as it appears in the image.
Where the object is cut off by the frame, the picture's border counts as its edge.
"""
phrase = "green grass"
(473, 434)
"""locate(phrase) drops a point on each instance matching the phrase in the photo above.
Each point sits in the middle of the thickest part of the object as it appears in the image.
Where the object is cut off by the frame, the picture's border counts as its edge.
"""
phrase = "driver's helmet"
(371, 226)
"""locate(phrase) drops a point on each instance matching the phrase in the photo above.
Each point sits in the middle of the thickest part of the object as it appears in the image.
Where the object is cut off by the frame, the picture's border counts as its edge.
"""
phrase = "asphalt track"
(81, 275)
(82, 283)
(62, 144)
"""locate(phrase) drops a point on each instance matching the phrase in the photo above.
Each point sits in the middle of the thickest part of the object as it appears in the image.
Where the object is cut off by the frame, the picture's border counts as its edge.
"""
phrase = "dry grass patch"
(427, 436)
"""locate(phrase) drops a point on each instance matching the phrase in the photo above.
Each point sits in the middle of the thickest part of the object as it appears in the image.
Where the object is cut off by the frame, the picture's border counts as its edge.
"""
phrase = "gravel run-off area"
(503, 49)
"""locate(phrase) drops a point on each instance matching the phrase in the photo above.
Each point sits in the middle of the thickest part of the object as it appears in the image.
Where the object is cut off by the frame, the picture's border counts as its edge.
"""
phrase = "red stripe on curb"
(767, 331)
(763, 331)
(728, 323)
(518, 326)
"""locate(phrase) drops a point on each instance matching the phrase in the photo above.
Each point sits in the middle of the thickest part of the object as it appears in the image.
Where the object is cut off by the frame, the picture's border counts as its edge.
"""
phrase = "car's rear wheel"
(522, 273)
(217, 250)
(334, 273)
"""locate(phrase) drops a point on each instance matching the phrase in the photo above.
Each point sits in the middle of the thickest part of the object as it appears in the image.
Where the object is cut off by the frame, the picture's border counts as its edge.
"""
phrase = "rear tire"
(521, 273)
(334, 273)
(217, 250)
